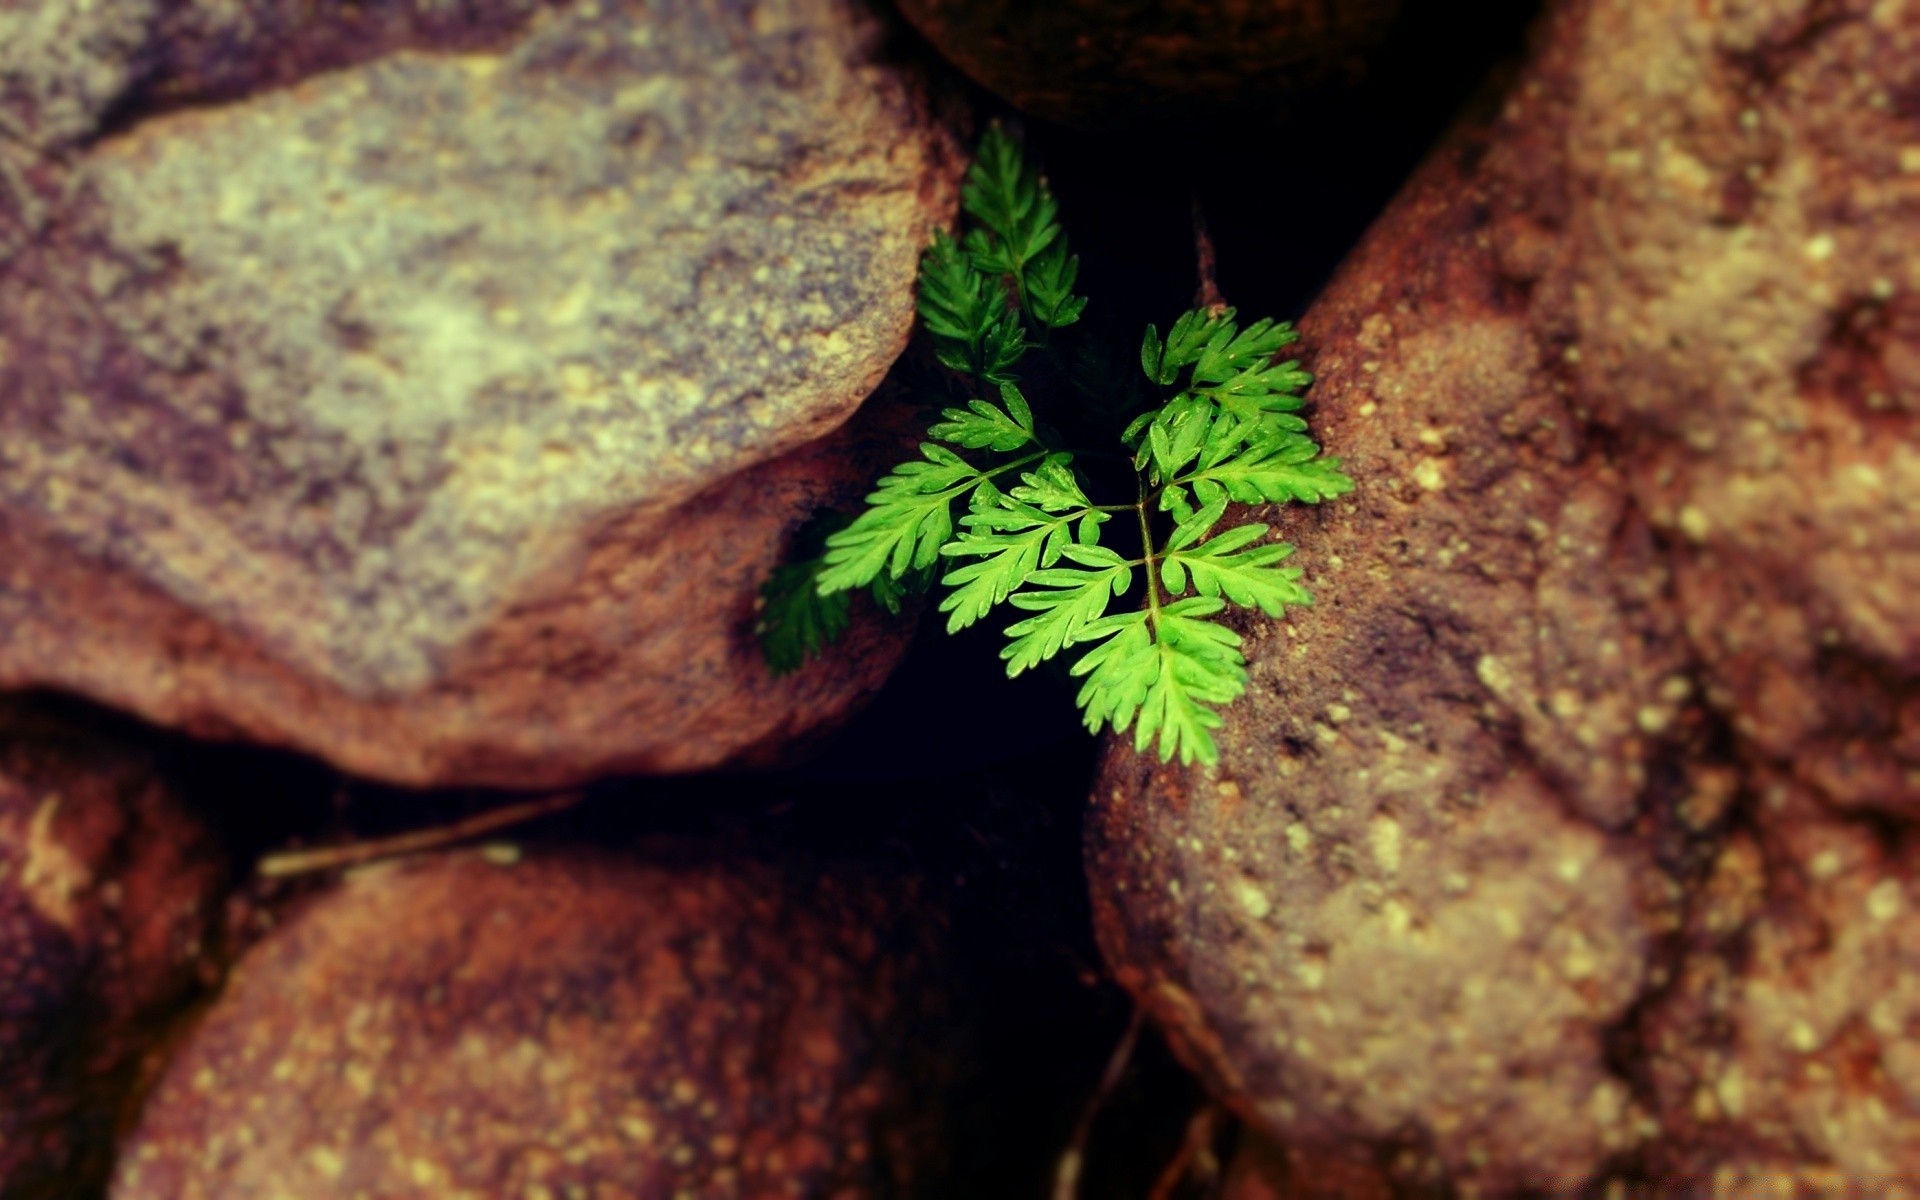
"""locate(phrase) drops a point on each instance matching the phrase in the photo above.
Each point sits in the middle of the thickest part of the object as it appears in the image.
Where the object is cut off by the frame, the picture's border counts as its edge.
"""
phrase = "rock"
(1262, 1170)
(436, 401)
(683, 1023)
(1106, 63)
(1784, 1056)
(109, 888)
(1622, 575)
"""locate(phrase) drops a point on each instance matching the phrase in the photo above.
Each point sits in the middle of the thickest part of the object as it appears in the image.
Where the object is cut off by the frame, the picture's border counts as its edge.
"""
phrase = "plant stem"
(1146, 551)
(1036, 456)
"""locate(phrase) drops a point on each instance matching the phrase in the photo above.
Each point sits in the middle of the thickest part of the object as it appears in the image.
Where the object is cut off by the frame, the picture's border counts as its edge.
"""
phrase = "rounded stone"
(1105, 63)
(437, 400)
(1566, 842)
(109, 896)
(567, 1022)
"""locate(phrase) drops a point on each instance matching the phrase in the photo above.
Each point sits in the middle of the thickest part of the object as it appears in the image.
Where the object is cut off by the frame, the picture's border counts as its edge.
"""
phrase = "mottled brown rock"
(1621, 378)
(1262, 1170)
(682, 1023)
(1786, 1052)
(435, 400)
(1106, 63)
(108, 894)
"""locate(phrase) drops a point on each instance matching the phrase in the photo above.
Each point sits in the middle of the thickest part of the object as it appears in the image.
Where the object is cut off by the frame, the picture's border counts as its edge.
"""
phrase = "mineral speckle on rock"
(559, 1023)
(352, 365)
(1509, 863)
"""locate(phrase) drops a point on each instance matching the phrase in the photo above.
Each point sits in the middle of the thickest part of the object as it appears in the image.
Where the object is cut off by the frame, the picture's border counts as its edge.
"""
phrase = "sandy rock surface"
(570, 1023)
(428, 387)
(1103, 63)
(1566, 839)
(109, 890)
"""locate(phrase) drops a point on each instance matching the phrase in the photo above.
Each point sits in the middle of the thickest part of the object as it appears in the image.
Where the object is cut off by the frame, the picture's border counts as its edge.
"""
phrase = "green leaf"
(1200, 666)
(1049, 279)
(1166, 670)
(966, 312)
(1271, 464)
(892, 594)
(1005, 195)
(1177, 433)
(1196, 524)
(795, 621)
(986, 426)
(1015, 535)
(1074, 597)
(1262, 394)
(1222, 358)
(1054, 486)
(1020, 235)
(1186, 342)
(1225, 566)
(1120, 670)
(907, 519)
(1008, 557)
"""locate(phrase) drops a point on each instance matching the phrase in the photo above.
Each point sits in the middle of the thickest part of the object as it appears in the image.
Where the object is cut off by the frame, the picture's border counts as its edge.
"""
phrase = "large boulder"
(1107, 63)
(109, 900)
(437, 399)
(1626, 378)
(680, 1022)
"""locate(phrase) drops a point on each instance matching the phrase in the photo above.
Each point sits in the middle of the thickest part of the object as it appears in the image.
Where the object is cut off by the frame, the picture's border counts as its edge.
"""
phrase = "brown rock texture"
(109, 889)
(567, 1024)
(1104, 63)
(430, 387)
(1566, 840)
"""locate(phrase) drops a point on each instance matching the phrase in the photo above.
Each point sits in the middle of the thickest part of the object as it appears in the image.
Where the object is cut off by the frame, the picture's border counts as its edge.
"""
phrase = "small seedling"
(1079, 485)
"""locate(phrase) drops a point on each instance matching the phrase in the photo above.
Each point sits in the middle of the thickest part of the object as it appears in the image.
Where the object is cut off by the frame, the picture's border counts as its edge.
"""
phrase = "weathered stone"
(1111, 62)
(399, 411)
(1621, 378)
(571, 1023)
(108, 892)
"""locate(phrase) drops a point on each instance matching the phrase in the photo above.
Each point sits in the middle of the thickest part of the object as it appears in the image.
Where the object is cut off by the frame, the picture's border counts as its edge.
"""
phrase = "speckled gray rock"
(678, 1023)
(109, 891)
(333, 379)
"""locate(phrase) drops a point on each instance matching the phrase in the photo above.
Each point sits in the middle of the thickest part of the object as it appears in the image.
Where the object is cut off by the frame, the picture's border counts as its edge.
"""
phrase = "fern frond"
(1162, 673)
(1200, 666)
(795, 621)
(909, 516)
(1049, 281)
(1263, 463)
(1220, 425)
(1014, 535)
(1074, 597)
(973, 329)
(1020, 235)
(1227, 353)
(1186, 342)
(986, 426)
(1226, 566)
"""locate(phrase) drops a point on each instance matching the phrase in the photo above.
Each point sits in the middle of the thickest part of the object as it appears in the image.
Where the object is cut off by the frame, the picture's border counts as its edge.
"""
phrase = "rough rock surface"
(395, 404)
(1567, 839)
(568, 1024)
(1111, 62)
(108, 891)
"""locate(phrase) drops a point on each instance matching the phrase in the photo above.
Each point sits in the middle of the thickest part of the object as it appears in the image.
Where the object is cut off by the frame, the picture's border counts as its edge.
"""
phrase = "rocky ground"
(401, 404)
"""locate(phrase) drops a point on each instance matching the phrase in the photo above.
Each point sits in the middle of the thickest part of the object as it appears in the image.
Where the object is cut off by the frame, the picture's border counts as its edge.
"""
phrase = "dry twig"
(1066, 1176)
(353, 854)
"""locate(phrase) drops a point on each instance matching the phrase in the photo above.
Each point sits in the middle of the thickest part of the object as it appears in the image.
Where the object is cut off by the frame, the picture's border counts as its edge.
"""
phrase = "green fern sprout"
(1216, 422)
